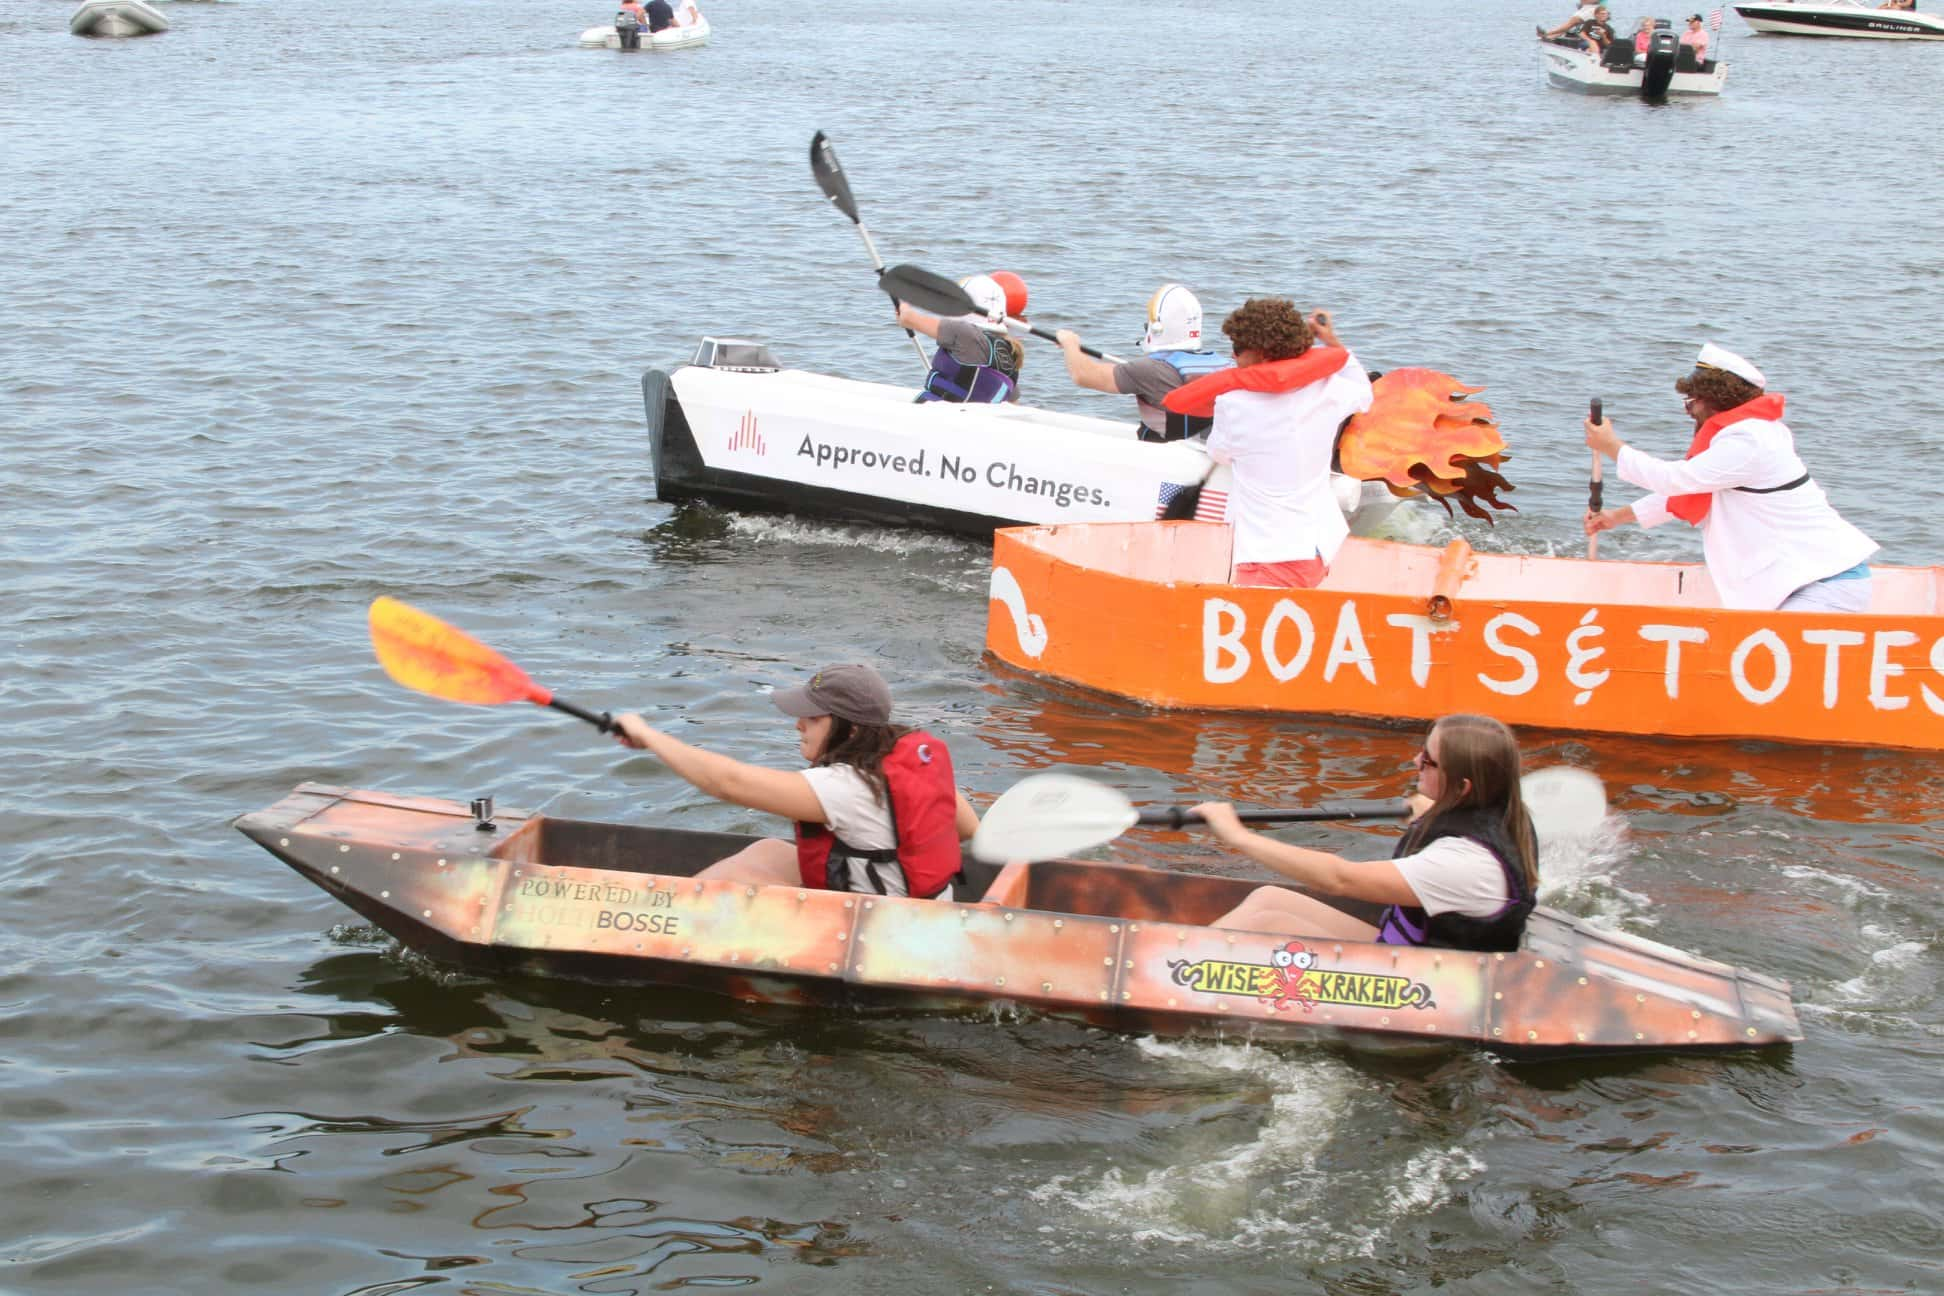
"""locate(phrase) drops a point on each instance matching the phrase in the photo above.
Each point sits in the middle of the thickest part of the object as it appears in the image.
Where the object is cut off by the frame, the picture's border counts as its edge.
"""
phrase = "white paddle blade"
(1044, 816)
(1563, 801)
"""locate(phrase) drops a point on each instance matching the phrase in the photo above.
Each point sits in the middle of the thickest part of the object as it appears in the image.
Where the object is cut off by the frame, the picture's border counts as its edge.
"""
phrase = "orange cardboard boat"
(1119, 947)
(1410, 632)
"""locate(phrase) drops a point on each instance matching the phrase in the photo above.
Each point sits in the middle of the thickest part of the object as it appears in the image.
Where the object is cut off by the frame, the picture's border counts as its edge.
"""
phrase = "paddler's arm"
(967, 818)
(1374, 880)
(1323, 328)
(1733, 459)
(778, 792)
(913, 318)
(1095, 375)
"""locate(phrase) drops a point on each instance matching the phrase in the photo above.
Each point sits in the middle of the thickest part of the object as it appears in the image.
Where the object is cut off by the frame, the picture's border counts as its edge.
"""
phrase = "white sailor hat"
(1714, 357)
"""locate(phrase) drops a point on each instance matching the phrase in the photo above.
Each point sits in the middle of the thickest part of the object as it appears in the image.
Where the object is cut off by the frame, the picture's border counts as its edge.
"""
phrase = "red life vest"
(1693, 509)
(1197, 398)
(924, 816)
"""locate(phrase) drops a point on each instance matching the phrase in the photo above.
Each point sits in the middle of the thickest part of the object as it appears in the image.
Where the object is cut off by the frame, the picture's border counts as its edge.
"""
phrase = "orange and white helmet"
(1174, 320)
(988, 298)
(1015, 292)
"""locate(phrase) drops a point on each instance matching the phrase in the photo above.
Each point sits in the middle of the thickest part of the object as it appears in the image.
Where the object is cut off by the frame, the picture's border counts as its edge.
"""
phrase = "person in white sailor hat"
(1771, 538)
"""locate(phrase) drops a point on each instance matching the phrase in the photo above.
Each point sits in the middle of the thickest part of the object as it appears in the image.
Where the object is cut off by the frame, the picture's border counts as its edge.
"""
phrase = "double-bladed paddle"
(424, 653)
(937, 295)
(1044, 816)
(830, 179)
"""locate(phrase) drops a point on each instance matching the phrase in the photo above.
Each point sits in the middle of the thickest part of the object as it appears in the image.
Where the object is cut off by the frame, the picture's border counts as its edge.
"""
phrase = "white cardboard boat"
(735, 429)
(679, 37)
(117, 18)
(1841, 18)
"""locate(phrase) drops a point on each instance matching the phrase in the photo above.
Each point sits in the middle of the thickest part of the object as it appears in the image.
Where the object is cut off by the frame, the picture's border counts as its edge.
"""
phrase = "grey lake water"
(304, 304)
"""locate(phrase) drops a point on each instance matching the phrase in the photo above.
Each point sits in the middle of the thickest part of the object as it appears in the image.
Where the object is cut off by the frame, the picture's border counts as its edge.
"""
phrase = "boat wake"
(795, 531)
(1304, 1163)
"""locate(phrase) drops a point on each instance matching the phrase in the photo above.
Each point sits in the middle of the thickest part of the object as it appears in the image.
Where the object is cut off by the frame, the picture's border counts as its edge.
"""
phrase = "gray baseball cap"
(853, 691)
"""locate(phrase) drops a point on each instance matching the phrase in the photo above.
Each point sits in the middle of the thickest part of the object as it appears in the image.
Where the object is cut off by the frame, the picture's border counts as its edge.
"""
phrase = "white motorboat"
(1660, 72)
(735, 429)
(1841, 18)
(117, 18)
(683, 35)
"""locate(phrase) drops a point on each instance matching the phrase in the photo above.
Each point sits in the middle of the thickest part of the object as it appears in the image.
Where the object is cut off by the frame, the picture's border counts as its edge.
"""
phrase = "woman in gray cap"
(877, 811)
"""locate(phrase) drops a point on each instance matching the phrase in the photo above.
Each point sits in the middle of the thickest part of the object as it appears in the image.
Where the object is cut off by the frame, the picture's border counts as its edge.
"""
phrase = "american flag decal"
(746, 436)
(1213, 506)
(1169, 492)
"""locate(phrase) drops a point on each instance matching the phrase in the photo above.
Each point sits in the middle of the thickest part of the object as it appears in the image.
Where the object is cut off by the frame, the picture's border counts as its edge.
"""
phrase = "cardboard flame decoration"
(1419, 437)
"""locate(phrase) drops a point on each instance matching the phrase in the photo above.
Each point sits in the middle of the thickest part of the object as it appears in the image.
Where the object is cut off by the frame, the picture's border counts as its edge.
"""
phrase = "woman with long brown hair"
(876, 811)
(1464, 875)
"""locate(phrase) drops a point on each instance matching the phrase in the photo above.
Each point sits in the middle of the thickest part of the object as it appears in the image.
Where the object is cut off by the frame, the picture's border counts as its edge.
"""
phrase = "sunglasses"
(1424, 759)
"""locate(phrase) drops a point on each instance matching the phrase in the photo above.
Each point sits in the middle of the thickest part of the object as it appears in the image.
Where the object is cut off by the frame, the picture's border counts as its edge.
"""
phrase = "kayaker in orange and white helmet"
(1465, 875)
(977, 361)
(1015, 289)
(1175, 354)
(877, 811)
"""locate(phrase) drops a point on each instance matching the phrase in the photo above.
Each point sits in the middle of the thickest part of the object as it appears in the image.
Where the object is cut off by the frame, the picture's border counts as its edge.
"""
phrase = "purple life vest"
(986, 384)
(1411, 925)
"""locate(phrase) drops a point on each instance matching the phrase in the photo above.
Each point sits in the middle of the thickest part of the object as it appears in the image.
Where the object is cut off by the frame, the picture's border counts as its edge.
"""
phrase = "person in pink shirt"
(1697, 36)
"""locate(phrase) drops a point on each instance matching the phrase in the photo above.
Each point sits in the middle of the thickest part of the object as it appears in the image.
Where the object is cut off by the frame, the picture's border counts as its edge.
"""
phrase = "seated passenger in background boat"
(1465, 875)
(1898, 4)
(1695, 38)
(1643, 35)
(661, 16)
(1277, 415)
(877, 811)
(1770, 536)
(1581, 15)
(1174, 354)
(686, 14)
(1597, 33)
(977, 361)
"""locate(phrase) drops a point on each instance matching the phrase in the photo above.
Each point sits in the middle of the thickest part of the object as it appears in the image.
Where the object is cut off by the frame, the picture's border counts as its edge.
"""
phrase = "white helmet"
(988, 297)
(1174, 321)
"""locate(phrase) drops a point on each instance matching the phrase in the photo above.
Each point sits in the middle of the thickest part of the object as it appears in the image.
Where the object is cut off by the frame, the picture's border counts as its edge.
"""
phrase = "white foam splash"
(799, 531)
(1269, 1190)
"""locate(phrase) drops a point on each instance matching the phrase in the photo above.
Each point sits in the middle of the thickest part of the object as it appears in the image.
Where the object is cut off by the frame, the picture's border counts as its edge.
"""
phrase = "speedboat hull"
(772, 440)
(1117, 947)
(1860, 21)
(117, 18)
(1409, 632)
(669, 38)
(1573, 69)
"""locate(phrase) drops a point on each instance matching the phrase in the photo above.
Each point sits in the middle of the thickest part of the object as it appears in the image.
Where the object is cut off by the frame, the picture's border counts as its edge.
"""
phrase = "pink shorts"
(1304, 573)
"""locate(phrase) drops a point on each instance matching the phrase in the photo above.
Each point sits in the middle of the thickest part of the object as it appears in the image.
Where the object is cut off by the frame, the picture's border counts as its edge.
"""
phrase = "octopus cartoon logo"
(1290, 965)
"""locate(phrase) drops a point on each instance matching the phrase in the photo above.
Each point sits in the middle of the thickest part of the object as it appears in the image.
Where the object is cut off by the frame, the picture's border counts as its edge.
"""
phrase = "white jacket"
(1760, 548)
(1283, 506)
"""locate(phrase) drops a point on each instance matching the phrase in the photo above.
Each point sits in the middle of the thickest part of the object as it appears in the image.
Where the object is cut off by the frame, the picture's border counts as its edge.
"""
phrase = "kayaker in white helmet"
(1174, 355)
(977, 361)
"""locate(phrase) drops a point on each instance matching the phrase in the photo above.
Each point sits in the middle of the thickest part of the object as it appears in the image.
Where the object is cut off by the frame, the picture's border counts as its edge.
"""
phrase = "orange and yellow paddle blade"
(422, 652)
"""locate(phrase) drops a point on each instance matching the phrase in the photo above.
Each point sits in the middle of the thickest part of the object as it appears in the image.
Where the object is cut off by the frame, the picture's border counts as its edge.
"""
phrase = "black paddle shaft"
(936, 295)
(1595, 488)
(1182, 816)
(604, 721)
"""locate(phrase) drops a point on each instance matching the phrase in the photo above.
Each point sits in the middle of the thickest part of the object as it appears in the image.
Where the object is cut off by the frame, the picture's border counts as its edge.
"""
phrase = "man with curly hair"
(1277, 415)
(1771, 538)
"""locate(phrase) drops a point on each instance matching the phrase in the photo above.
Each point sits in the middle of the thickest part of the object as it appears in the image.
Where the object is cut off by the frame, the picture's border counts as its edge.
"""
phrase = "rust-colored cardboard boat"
(1121, 948)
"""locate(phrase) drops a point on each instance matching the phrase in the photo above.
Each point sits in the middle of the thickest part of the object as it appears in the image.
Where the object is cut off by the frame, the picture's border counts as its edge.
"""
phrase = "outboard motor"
(1663, 49)
(628, 30)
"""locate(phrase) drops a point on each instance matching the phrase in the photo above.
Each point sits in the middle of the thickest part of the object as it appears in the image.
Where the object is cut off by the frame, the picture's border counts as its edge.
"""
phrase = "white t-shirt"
(1455, 875)
(854, 815)
(1282, 504)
